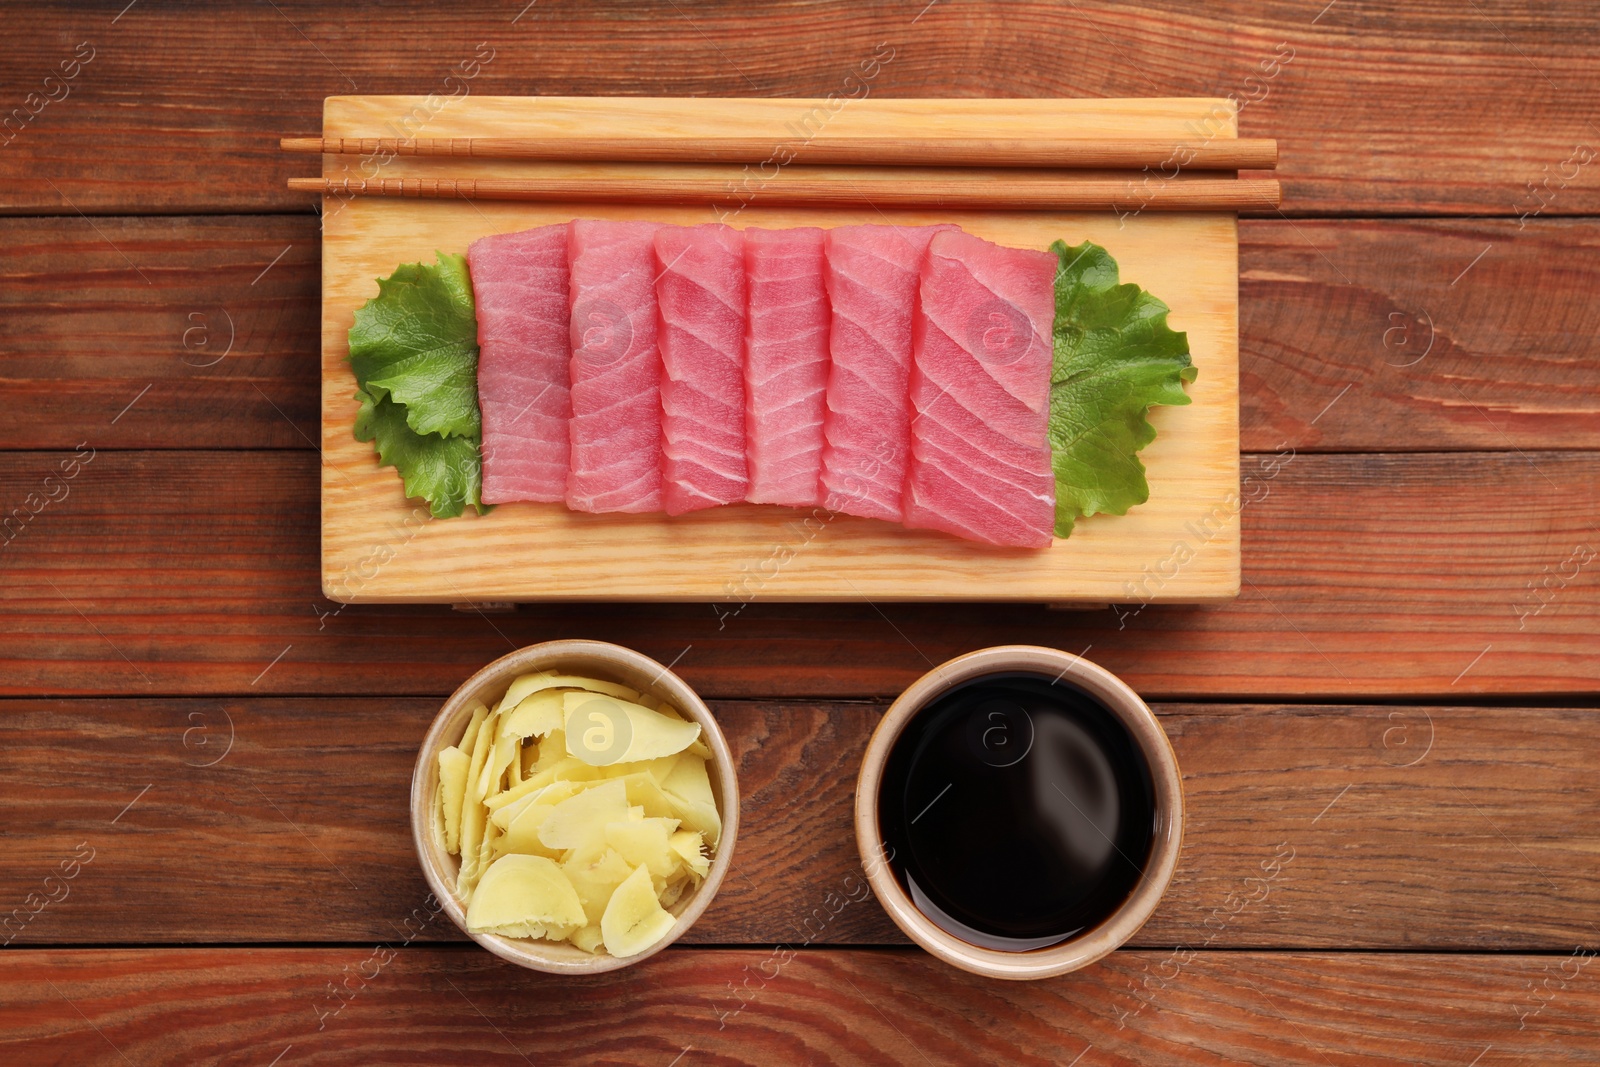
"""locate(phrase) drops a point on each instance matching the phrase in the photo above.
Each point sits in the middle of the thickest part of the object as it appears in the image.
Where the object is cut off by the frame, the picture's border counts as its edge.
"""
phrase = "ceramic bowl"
(1091, 944)
(599, 660)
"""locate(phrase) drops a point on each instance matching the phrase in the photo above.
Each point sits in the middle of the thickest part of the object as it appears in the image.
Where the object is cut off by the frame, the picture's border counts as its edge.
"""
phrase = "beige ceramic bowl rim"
(610, 660)
(1093, 943)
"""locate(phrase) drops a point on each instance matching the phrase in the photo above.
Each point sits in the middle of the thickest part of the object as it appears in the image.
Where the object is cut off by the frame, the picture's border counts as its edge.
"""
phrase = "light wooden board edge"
(1180, 547)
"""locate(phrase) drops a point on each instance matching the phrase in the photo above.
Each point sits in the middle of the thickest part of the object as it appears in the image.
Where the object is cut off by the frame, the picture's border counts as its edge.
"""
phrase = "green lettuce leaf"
(417, 341)
(443, 470)
(1115, 357)
(414, 350)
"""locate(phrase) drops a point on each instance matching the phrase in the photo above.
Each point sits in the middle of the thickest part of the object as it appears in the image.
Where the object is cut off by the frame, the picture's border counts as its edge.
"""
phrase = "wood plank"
(1516, 339)
(1360, 126)
(460, 1004)
(1308, 827)
(1456, 334)
(1376, 576)
(159, 333)
(542, 552)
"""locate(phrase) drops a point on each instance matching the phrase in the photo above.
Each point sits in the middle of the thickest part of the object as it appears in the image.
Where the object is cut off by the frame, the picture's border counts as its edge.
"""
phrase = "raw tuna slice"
(519, 281)
(700, 290)
(872, 282)
(616, 368)
(786, 364)
(980, 389)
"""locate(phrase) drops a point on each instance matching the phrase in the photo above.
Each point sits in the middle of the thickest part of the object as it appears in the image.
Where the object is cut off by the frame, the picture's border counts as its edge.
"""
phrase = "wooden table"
(1389, 741)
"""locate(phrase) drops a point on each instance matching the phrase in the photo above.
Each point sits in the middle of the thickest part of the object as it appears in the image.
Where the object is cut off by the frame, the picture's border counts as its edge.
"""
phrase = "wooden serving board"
(377, 546)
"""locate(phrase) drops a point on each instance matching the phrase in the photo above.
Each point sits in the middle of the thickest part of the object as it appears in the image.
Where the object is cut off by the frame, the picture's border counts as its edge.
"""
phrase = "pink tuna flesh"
(700, 291)
(872, 280)
(616, 368)
(980, 390)
(519, 283)
(786, 364)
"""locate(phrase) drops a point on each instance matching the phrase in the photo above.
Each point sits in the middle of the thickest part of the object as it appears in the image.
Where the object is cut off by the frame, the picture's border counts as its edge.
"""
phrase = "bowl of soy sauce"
(1019, 812)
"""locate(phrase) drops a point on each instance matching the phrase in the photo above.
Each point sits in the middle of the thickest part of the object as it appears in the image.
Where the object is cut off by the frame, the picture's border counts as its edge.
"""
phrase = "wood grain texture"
(545, 552)
(159, 333)
(1322, 305)
(1447, 334)
(1367, 576)
(195, 572)
(457, 1004)
(1378, 108)
(1467, 829)
(877, 187)
(1045, 148)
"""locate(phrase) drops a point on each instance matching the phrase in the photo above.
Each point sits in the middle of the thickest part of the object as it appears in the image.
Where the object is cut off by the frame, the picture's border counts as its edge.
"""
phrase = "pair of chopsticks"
(1156, 186)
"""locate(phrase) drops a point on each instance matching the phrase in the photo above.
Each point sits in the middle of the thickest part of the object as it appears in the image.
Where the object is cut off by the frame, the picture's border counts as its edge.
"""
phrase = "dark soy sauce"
(1019, 811)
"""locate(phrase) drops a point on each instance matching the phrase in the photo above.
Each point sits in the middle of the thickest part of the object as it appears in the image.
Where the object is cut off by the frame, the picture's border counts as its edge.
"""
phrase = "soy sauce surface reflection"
(1019, 811)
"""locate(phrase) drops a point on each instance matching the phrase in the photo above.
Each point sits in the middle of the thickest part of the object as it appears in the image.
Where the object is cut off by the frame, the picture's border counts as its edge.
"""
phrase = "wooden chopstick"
(1066, 152)
(1047, 194)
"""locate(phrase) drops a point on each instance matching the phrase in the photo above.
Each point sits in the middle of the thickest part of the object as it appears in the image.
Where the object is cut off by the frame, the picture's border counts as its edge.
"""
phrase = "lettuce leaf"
(1115, 357)
(417, 341)
(442, 470)
(414, 350)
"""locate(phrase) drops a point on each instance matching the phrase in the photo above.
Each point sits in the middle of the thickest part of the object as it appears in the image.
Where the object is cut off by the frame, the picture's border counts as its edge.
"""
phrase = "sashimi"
(980, 390)
(786, 364)
(872, 280)
(615, 431)
(700, 292)
(519, 281)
